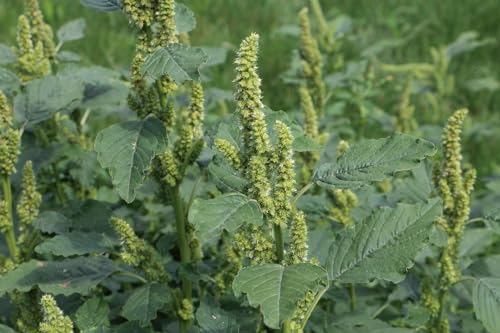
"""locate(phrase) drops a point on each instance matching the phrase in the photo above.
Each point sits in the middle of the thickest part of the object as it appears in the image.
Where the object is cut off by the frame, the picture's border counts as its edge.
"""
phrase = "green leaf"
(51, 222)
(277, 289)
(66, 277)
(225, 178)
(127, 149)
(9, 81)
(486, 299)
(212, 319)
(145, 302)
(92, 316)
(216, 55)
(102, 5)
(7, 55)
(492, 219)
(228, 211)
(384, 245)
(184, 18)
(6, 329)
(76, 243)
(73, 30)
(180, 62)
(374, 160)
(47, 96)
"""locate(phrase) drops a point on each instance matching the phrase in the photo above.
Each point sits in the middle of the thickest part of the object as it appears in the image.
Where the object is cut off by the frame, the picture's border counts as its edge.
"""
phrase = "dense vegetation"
(291, 166)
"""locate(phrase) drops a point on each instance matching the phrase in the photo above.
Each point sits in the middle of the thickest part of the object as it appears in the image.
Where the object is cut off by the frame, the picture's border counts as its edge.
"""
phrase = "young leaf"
(228, 211)
(145, 302)
(373, 160)
(127, 150)
(72, 30)
(65, 277)
(277, 289)
(92, 316)
(184, 18)
(76, 243)
(7, 55)
(384, 245)
(486, 299)
(47, 96)
(181, 62)
(102, 5)
(212, 319)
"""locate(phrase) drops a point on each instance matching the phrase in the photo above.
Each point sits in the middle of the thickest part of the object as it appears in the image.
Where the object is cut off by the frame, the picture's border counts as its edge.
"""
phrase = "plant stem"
(301, 193)
(185, 250)
(279, 241)
(352, 293)
(313, 306)
(9, 234)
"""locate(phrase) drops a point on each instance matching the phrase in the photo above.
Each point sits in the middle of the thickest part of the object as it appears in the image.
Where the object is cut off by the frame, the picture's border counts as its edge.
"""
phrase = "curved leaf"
(384, 245)
(373, 160)
(486, 299)
(73, 30)
(127, 150)
(145, 302)
(93, 316)
(184, 18)
(277, 289)
(181, 62)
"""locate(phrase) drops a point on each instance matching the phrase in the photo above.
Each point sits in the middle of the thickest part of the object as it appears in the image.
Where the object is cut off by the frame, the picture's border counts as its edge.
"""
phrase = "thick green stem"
(9, 234)
(279, 242)
(185, 250)
(352, 293)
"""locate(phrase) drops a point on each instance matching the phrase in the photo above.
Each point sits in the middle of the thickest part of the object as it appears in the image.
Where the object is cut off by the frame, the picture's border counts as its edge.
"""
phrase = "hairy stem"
(279, 242)
(185, 250)
(9, 234)
(301, 193)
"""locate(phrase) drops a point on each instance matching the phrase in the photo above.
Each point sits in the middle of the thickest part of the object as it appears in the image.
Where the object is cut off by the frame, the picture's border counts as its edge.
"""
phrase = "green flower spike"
(140, 13)
(137, 253)
(230, 152)
(248, 98)
(9, 139)
(285, 180)
(32, 62)
(196, 110)
(310, 116)
(165, 17)
(260, 187)
(253, 243)
(42, 32)
(298, 250)
(54, 320)
(30, 200)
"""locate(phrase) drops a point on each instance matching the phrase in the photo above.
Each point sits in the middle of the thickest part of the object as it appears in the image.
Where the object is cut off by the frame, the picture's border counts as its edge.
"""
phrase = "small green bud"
(186, 312)
(171, 168)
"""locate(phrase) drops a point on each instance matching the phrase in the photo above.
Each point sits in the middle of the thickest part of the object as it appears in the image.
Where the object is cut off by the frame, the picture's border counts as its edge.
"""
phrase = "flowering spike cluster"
(260, 187)
(310, 116)
(312, 62)
(196, 110)
(4, 217)
(137, 253)
(54, 320)
(27, 315)
(32, 61)
(186, 311)
(230, 152)
(302, 308)
(285, 180)
(344, 201)
(42, 32)
(165, 16)
(140, 13)
(405, 122)
(249, 98)
(258, 247)
(30, 200)
(299, 247)
(9, 139)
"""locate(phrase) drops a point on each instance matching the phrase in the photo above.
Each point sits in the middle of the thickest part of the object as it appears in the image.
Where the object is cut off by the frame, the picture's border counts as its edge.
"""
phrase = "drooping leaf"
(66, 277)
(374, 160)
(212, 319)
(181, 62)
(7, 55)
(76, 243)
(486, 299)
(277, 289)
(227, 211)
(145, 302)
(72, 30)
(102, 5)
(127, 149)
(384, 245)
(42, 98)
(184, 18)
(93, 316)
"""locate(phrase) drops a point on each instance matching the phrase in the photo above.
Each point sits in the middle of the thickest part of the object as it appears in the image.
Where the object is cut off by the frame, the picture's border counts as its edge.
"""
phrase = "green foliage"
(93, 316)
(486, 299)
(144, 303)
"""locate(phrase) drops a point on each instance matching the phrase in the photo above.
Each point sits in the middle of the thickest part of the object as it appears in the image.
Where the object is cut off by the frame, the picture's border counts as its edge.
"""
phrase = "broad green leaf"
(6, 329)
(102, 5)
(374, 160)
(76, 243)
(184, 18)
(493, 220)
(7, 55)
(384, 245)
(127, 149)
(72, 30)
(47, 96)
(227, 211)
(488, 266)
(66, 277)
(212, 319)
(414, 188)
(216, 55)
(93, 316)
(52, 222)
(486, 299)
(180, 62)
(277, 289)
(132, 326)
(362, 323)
(145, 302)
(9, 81)
(225, 178)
